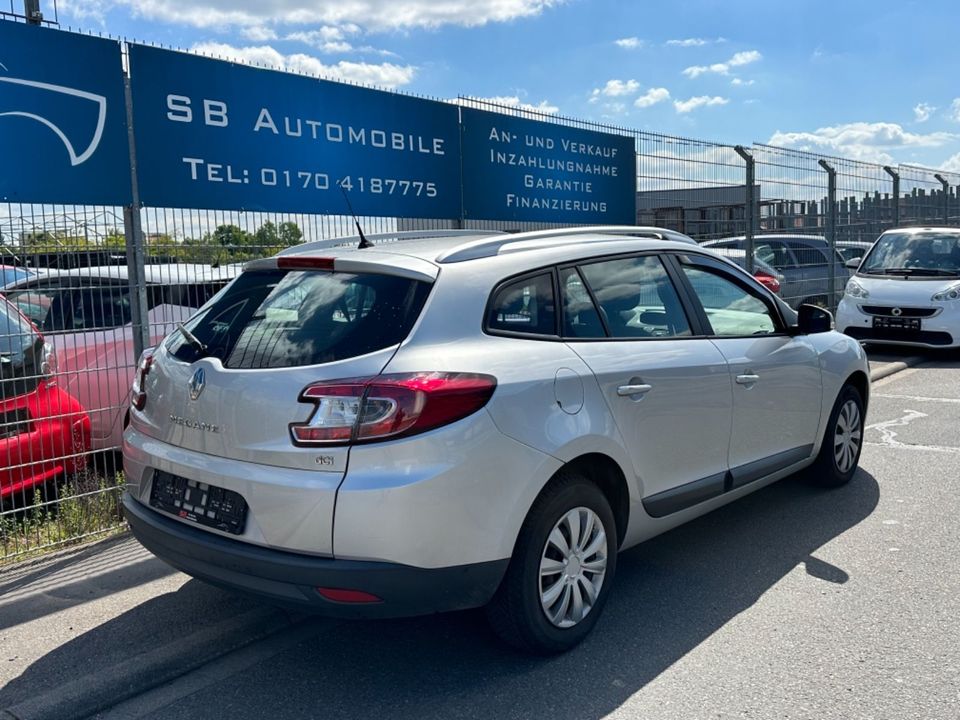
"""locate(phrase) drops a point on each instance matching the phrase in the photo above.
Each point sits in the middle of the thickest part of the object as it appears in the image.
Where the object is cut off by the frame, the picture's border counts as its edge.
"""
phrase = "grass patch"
(85, 505)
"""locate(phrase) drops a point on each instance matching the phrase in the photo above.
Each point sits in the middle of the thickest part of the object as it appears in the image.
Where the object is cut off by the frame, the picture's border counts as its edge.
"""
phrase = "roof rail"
(385, 236)
(488, 247)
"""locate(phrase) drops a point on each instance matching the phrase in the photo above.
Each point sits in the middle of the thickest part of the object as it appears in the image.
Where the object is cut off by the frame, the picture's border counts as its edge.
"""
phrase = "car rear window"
(281, 318)
(21, 353)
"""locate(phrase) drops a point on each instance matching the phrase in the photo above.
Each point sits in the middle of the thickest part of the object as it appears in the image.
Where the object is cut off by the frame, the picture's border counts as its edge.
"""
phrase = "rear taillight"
(767, 280)
(389, 406)
(138, 393)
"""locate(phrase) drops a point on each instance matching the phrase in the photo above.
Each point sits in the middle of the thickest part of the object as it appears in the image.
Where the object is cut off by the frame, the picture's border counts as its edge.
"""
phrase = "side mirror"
(853, 263)
(812, 319)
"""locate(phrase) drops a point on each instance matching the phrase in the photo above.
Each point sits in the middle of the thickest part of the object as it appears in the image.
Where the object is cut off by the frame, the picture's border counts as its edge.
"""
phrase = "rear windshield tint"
(280, 318)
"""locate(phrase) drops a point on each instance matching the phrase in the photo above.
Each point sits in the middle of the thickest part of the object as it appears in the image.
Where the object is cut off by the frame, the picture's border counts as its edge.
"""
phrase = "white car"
(476, 419)
(85, 313)
(906, 290)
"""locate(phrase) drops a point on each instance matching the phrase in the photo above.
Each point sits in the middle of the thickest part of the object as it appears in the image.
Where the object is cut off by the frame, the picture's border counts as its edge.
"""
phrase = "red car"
(43, 431)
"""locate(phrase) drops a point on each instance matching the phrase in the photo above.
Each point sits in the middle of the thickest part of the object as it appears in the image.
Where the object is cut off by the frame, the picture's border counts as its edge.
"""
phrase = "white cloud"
(742, 82)
(955, 110)
(615, 88)
(869, 142)
(259, 33)
(512, 101)
(952, 164)
(386, 75)
(923, 111)
(652, 97)
(685, 106)
(629, 43)
(369, 14)
(738, 60)
(694, 42)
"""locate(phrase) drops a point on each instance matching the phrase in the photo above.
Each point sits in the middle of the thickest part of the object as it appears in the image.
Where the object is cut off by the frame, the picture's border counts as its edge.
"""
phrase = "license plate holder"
(896, 323)
(199, 502)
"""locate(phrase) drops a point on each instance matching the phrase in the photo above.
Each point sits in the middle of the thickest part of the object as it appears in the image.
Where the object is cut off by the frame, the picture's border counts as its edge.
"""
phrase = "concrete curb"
(895, 367)
(106, 687)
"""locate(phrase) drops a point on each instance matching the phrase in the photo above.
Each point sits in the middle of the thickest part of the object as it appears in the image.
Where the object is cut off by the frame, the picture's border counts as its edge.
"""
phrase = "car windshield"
(21, 352)
(931, 254)
(10, 275)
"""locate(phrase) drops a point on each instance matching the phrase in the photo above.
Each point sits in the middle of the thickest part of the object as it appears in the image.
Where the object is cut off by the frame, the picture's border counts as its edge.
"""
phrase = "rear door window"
(636, 298)
(281, 318)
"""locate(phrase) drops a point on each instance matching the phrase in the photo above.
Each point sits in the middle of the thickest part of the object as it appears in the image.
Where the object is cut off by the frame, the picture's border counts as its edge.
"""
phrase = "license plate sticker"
(199, 502)
(897, 323)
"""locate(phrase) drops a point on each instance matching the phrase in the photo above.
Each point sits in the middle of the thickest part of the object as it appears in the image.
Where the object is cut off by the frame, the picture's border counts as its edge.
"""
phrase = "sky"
(875, 81)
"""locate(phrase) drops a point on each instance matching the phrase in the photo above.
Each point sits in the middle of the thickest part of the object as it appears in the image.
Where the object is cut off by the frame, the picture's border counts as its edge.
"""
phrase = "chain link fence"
(792, 218)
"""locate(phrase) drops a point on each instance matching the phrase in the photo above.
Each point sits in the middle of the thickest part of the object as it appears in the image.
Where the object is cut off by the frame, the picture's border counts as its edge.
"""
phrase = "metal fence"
(83, 261)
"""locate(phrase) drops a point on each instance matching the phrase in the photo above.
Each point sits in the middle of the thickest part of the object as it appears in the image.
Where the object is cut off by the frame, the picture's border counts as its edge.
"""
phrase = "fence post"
(946, 197)
(751, 204)
(31, 11)
(831, 231)
(896, 193)
(133, 234)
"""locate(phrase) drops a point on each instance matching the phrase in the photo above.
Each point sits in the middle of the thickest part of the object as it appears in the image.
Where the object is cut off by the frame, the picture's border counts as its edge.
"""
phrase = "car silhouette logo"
(896, 312)
(80, 149)
(197, 383)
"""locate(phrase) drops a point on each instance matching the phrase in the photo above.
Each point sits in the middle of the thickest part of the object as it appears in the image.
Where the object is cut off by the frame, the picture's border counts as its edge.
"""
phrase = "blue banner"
(213, 134)
(525, 170)
(63, 135)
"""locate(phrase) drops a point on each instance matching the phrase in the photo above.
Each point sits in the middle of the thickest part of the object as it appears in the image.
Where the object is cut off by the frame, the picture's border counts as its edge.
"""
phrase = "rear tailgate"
(221, 402)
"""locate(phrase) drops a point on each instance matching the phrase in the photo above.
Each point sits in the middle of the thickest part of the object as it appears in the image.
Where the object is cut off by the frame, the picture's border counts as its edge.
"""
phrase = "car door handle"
(631, 390)
(747, 379)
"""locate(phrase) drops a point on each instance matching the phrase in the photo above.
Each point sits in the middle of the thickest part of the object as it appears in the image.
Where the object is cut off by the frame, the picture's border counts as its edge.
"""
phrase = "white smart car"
(906, 290)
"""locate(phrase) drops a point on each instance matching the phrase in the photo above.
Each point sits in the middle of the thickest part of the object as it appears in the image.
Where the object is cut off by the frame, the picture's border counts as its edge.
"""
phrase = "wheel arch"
(604, 472)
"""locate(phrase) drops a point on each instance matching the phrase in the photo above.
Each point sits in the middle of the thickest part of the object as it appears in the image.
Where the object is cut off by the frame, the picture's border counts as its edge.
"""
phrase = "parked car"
(906, 290)
(86, 314)
(852, 250)
(12, 273)
(515, 409)
(765, 274)
(804, 262)
(43, 431)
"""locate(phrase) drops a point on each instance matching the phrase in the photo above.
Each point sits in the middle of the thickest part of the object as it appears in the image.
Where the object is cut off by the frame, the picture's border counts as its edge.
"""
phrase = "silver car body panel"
(459, 494)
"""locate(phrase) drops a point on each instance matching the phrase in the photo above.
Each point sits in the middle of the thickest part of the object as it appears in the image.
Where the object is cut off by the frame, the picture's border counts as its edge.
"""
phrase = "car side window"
(637, 298)
(731, 309)
(100, 308)
(580, 316)
(525, 306)
(806, 255)
(775, 254)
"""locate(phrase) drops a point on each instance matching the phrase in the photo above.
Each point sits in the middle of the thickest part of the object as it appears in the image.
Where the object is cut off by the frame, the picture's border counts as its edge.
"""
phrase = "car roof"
(770, 236)
(921, 230)
(160, 274)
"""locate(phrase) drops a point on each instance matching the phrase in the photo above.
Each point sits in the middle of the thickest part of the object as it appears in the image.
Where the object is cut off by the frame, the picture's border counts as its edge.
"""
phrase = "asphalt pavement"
(791, 603)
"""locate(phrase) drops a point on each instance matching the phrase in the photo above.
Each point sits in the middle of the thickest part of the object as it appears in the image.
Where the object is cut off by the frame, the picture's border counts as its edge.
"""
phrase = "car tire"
(550, 600)
(842, 442)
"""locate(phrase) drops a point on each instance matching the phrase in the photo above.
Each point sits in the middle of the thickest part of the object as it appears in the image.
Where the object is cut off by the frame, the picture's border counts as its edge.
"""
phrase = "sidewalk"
(87, 628)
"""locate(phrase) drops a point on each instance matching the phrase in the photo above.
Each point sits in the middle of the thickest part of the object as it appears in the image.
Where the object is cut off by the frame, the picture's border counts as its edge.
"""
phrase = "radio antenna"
(364, 243)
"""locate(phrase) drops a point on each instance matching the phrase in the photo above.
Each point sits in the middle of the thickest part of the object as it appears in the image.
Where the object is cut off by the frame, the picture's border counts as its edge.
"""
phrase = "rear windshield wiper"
(192, 339)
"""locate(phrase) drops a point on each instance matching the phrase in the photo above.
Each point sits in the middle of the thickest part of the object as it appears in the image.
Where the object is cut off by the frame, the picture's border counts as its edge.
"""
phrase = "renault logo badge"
(896, 312)
(197, 383)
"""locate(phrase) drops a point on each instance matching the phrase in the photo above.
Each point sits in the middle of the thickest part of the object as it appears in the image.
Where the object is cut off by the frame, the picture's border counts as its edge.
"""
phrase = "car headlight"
(948, 293)
(856, 290)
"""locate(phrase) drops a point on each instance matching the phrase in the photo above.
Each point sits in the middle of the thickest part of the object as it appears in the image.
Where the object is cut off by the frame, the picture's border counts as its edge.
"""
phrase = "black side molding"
(757, 469)
(693, 493)
(680, 498)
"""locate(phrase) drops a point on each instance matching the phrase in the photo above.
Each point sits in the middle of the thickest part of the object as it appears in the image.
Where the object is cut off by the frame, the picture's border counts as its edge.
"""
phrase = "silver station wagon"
(460, 419)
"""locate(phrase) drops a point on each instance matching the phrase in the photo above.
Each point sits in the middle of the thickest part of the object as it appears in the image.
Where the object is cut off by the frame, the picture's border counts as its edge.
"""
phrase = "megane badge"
(197, 383)
(896, 312)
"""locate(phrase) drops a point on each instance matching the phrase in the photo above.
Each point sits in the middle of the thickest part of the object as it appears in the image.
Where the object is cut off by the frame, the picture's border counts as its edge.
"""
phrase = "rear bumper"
(291, 579)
